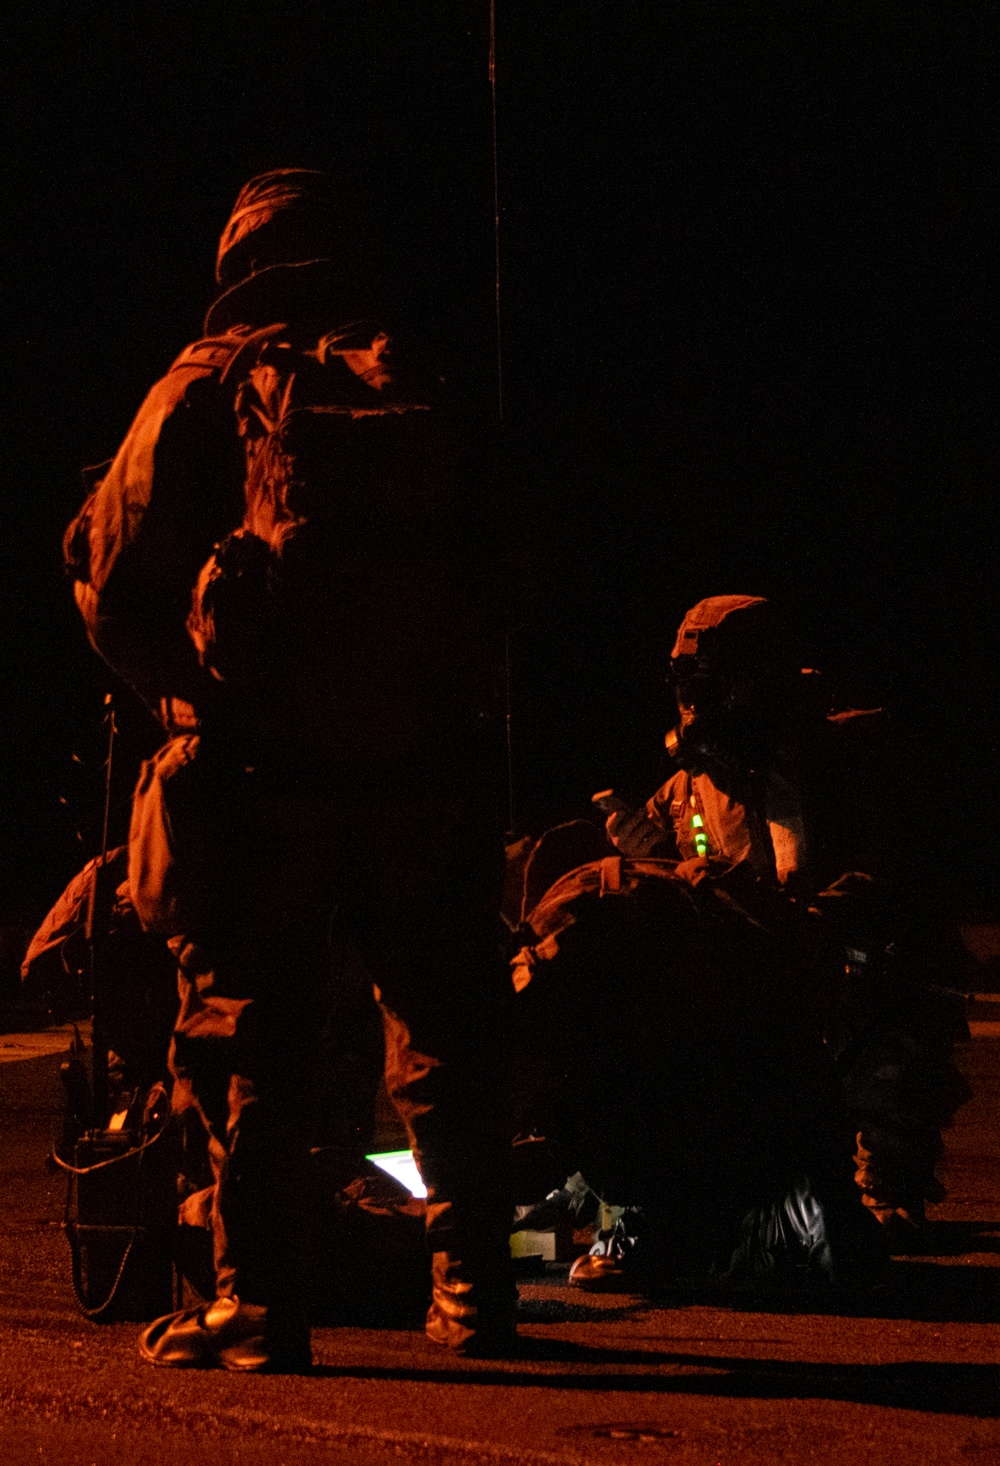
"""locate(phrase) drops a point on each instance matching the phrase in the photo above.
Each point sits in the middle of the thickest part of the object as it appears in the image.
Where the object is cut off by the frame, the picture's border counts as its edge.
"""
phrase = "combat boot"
(472, 1309)
(245, 1338)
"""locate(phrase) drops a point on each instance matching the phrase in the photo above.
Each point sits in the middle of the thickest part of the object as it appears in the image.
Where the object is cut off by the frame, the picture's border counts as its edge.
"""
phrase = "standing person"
(287, 560)
(816, 806)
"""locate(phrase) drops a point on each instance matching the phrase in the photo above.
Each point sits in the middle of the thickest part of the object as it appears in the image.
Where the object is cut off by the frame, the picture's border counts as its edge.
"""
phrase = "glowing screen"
(402, 1167)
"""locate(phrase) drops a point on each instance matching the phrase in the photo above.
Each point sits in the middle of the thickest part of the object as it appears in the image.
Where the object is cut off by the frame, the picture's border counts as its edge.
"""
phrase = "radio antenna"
(496, 212)
(98, 912)
(501, 438)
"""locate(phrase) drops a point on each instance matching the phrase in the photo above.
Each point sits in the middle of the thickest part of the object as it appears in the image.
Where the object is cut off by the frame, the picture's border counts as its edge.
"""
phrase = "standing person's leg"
(428, 924)
(244, 1049)
(445, 1074)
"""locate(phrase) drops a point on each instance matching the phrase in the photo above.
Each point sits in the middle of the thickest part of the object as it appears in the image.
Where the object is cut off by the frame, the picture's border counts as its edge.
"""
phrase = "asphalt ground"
(909, 1377)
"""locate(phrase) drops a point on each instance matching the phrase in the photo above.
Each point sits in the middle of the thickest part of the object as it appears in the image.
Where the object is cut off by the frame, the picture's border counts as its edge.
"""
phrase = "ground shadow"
(958, 1239)
(936, 1388)
(918, 1289)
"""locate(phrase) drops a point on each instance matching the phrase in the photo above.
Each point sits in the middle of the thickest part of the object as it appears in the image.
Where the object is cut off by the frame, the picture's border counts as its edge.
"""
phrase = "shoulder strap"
(682, 796)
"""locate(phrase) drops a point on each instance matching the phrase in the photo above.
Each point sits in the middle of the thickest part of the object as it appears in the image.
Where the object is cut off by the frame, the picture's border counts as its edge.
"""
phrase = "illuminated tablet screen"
(401, 1166)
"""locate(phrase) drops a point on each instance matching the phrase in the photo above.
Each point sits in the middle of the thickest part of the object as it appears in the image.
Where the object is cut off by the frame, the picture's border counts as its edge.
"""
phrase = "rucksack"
(723, 944)
(351, 596)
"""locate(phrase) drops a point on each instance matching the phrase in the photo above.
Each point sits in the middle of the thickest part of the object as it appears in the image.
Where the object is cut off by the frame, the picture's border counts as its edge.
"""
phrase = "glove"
(635, 835)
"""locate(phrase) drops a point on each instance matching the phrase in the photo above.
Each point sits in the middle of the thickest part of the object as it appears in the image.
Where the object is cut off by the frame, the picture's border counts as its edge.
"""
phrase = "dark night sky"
(747, 281)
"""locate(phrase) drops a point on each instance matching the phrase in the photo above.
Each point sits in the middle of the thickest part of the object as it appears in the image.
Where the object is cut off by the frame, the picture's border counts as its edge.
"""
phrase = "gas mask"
(728, 725)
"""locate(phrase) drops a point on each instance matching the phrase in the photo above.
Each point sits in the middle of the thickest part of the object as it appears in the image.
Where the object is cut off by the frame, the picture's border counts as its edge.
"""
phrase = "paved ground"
(603, 1380)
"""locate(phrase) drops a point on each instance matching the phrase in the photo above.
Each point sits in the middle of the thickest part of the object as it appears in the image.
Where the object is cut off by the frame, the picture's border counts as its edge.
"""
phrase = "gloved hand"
(635, 835)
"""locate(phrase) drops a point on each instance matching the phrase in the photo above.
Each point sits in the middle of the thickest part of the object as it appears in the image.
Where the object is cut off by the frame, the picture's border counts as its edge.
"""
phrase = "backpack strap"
(522, 968)
(225, 354)
(611, 876)
(527, 959)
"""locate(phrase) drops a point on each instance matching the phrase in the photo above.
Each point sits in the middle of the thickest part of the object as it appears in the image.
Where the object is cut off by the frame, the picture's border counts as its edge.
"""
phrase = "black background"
(746, 276)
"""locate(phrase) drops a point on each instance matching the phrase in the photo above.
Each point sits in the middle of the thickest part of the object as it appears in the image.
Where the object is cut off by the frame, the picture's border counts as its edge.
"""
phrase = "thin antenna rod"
(508, 692)
(508, 679)
(112, 730)
(98, 908)
(496, 210)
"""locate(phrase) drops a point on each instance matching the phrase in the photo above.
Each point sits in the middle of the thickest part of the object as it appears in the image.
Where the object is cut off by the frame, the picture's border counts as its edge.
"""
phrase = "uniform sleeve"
(173, 489)
(43, 970)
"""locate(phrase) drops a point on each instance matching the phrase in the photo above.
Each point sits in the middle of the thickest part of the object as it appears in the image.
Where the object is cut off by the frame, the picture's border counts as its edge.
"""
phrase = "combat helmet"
(283, 249)
(735, 673)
